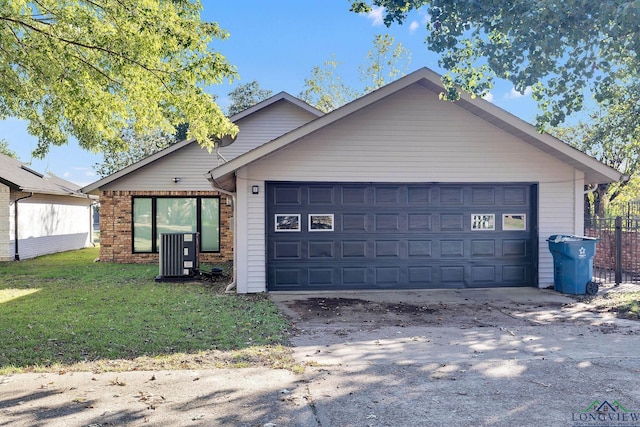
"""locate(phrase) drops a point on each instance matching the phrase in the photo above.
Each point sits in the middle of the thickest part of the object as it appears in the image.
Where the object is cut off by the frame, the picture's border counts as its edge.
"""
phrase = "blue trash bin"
(573, 264)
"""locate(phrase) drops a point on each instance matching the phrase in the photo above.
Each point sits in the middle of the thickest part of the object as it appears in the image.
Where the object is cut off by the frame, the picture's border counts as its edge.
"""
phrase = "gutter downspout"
(91, 205)
(216, 187)
(16, 255)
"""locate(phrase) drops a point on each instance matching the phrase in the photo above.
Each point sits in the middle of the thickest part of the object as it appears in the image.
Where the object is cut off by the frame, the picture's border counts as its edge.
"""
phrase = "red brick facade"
(606, 249)
(116, 230)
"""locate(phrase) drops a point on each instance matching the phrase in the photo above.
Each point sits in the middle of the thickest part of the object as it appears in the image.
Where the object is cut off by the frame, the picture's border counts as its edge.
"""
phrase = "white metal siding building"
(45, 214)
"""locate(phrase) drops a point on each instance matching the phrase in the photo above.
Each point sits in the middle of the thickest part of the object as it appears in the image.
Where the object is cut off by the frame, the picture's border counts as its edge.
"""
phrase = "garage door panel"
(451, 196)
(515, 247)
(321, 249)
(387, 248)
(354, 195)
(391, 236)
(354, 276)
(419, 222)
(322, 196)
(387, 222)
(322, 276)
(452, 248)
(420, 275)
(287, 196)
(483, 196)
(483, 248)
(387, 276)
(515, 196)
(387, 196)
(287, 250)
(354, 222)
(419, 196)
(452, 222)
(419, 248)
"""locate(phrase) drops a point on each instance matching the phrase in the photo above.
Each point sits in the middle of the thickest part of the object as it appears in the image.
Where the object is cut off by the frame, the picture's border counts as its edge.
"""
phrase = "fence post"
(618, 272)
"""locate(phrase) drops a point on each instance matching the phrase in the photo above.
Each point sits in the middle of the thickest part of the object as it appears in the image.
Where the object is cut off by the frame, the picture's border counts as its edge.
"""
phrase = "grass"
(624, 304)
(66, 312)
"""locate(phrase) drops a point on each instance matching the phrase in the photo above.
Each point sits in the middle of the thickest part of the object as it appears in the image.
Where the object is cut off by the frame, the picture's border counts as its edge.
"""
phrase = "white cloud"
(488, 97)
(514, 94)
(376, 15)
(414, 26)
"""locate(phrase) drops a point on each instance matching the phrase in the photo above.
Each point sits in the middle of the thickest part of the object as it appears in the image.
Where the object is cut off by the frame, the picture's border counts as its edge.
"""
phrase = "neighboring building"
(169, 191)
(40, 215)
(399, 189)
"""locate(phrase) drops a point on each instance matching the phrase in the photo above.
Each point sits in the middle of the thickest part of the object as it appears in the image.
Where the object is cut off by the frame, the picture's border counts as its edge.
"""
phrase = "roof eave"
(595, 171)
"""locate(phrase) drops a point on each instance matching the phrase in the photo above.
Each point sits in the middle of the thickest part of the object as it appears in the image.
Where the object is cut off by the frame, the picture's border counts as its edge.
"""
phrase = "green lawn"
(65, 311)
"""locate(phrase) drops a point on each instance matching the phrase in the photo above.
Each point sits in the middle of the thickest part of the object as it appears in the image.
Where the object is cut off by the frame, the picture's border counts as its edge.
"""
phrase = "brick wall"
(606, 250)
(116, 230)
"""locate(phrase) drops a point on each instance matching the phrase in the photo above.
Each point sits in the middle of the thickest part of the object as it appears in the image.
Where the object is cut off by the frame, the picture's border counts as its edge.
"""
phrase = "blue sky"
(277, 43)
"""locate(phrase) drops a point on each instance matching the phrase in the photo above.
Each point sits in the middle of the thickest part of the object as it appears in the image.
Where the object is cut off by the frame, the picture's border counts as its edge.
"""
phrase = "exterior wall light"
(255, 189)
(176, 179)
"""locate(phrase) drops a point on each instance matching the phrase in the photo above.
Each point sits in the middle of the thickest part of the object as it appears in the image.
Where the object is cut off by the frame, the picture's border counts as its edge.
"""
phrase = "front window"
(153, 216)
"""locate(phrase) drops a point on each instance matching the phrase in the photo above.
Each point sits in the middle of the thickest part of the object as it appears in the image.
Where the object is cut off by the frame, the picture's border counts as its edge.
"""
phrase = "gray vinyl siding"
(192, 162)
(266, 125)
(411, 136)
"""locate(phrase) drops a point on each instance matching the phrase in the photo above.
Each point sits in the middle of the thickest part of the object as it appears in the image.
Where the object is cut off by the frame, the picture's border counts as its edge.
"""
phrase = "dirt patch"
(376, 314)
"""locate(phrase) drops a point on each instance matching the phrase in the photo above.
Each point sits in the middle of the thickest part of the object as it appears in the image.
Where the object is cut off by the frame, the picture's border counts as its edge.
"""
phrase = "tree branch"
(109, 52)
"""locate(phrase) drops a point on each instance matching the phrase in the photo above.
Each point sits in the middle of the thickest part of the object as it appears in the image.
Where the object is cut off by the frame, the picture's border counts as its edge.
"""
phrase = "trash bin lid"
(560, 238)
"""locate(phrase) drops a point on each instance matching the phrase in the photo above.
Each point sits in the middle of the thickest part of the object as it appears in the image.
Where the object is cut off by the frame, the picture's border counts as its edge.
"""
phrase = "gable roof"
(282, 96)
(595, 171)
(19, 176)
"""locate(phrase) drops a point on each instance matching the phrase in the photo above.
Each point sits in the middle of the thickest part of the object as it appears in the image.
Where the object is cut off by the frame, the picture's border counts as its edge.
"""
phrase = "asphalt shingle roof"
(19, 176)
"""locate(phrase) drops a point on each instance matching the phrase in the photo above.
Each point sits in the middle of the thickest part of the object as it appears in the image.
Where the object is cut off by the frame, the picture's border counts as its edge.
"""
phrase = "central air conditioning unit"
(178, 258)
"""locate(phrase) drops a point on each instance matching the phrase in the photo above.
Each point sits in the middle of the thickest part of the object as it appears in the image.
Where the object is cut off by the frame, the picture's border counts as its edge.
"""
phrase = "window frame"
(154, 225)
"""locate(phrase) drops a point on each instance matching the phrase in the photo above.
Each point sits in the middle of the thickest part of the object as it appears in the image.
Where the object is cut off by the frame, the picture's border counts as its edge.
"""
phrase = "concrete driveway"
(505, 357)
(501, 357)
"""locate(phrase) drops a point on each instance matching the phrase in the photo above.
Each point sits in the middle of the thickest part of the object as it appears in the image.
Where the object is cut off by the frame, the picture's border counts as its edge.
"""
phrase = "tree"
(385, 62)
(326, 91)
(562, 49)
(245, 96)
(140, 146)
(88, 69)
(601, 138)
(137, 147)
(4, 149)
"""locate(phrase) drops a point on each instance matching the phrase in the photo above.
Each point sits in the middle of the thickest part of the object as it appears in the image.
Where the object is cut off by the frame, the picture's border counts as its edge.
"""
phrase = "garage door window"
(153, 216)
(514, 222)
(483, 222)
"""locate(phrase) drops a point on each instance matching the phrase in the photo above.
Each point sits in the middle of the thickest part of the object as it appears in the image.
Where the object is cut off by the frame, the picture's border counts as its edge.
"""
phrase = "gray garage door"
(400, 236)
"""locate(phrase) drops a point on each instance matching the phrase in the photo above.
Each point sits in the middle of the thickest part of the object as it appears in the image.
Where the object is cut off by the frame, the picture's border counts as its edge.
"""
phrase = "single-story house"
(399, 189)
(169, 192)
(40, 214)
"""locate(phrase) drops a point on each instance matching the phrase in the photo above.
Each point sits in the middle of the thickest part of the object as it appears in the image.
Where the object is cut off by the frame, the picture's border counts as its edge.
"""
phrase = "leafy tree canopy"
(245, 96)
(562, 49)
(385, 62)
(4, 149)
(140, 146)
(604, 138)
(89, 69)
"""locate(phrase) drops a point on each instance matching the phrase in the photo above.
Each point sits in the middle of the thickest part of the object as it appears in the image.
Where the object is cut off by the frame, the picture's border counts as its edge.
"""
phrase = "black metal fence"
(617, 257)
